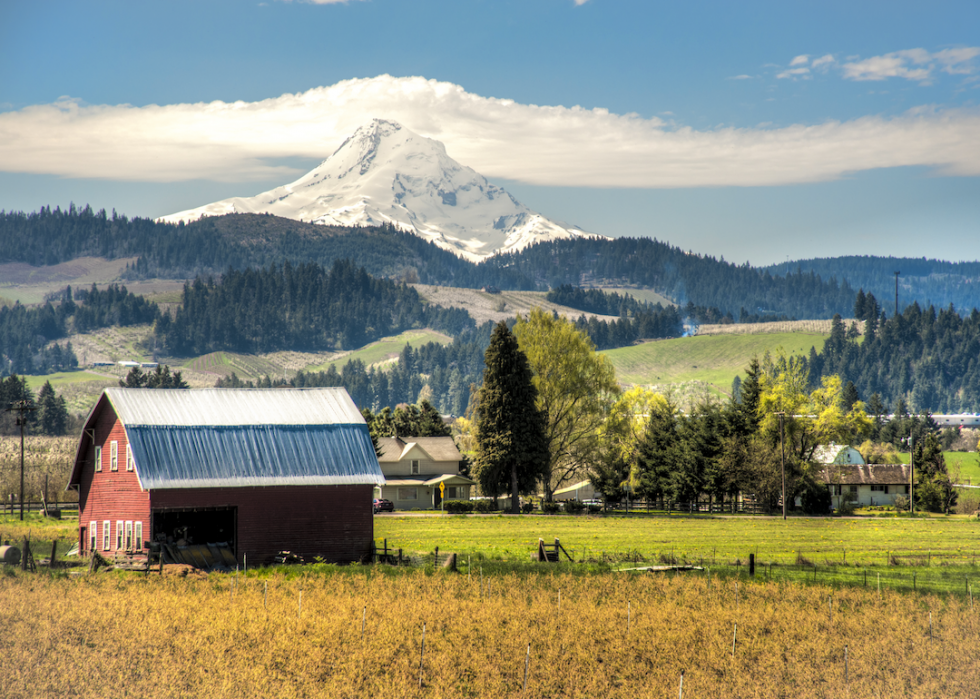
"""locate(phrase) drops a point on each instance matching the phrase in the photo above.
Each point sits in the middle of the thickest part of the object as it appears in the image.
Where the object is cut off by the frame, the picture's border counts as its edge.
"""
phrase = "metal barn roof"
(244, 437)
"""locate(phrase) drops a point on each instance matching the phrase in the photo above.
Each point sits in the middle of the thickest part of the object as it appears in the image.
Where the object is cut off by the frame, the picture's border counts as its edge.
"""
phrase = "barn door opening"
(204, 537)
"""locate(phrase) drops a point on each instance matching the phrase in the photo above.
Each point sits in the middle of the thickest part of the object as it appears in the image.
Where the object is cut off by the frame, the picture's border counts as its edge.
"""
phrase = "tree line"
(925, 358)
(214, 244)
(50, 411)
(549, 412)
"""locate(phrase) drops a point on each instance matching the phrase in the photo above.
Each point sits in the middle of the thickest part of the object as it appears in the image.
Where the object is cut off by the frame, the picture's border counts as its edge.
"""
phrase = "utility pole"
(782, 458)
(22, 407)
(911, 473)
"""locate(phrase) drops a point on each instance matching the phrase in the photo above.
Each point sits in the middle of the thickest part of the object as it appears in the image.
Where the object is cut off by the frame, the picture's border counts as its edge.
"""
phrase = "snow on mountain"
(386, 173)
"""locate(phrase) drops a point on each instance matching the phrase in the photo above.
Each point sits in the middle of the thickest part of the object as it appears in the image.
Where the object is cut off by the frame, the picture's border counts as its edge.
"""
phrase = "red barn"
(251, 471)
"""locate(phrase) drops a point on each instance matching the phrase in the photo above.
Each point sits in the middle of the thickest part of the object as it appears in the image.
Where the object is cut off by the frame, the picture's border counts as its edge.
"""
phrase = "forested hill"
(682, 276)
(238, 241)
(212, 245)
(926, 282)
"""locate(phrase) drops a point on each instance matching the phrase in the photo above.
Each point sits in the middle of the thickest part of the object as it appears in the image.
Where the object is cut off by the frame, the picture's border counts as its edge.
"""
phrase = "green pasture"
(62, 378)
(699, 540)
(387, 348)
(646, 295)
(713, 359)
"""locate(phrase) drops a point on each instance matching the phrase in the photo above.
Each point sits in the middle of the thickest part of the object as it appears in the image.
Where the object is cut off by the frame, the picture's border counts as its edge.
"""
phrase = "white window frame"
(93, 536)
(113, 455)
(98, 458)
(138, 535)
(106, 534)
(408, 493)
(129, 536)
(416, 467)
(130, 463)
(120, 529)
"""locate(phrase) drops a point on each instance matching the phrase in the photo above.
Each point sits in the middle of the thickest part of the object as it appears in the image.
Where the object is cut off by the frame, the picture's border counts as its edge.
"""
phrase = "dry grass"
(787, 326)
(614, 636)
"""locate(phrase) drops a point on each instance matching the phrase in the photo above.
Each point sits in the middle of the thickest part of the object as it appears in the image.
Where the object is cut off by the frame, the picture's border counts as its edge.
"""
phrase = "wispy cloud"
(913, 64)
(501, 138)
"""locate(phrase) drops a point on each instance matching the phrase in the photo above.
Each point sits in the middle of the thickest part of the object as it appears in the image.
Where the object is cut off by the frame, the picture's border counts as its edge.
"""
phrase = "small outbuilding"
(253, 472)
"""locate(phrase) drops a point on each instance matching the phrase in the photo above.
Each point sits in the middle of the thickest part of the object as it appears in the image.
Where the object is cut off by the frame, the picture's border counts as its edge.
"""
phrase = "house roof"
(449, 478)
(837, 454)
(866, 474)
(573, 488)
(240, 437)
(394, 449)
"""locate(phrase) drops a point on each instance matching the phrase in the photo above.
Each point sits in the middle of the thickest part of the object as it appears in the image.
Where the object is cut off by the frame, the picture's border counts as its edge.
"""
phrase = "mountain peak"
(386, 173)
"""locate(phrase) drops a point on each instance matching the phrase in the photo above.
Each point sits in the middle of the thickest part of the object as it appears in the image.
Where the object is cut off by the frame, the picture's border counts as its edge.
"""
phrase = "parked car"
(382, 505)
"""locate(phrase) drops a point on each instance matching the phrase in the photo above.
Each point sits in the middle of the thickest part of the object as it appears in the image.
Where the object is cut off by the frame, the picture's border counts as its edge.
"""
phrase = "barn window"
(416, 467)
(129, 536)
(106, 534)
(119, 534)
(93, 536)
(113, 455)
(408, 493)
(98, 458)
(138, 534)
(130, 463)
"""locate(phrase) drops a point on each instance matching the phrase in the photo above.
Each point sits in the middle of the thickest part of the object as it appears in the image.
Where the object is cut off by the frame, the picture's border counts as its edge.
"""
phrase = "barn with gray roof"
(239, 474)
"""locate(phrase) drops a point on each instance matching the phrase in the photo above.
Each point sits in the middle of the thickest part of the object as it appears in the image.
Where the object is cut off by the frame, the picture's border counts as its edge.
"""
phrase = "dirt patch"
(484, 306)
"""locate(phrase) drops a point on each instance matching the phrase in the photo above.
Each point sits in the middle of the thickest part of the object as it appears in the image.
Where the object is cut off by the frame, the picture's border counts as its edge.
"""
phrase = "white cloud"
(795, 74)
(545, 145)
(823, 62)
(580, 2)
(913, 64)
(800, 60)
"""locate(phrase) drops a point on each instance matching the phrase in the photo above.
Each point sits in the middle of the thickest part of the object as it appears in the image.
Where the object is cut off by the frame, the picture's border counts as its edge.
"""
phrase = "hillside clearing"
(713, 359)
(484, 306)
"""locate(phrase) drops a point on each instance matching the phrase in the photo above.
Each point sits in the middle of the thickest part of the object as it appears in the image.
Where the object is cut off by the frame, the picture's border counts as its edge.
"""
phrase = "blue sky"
(756, 131)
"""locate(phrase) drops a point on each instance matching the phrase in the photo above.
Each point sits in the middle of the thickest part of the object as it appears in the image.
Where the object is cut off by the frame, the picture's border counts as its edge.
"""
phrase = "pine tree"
(512, 446)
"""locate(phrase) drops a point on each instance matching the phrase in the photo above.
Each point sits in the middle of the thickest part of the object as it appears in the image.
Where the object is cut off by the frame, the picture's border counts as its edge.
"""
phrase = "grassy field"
(715, 359)
(387, 348)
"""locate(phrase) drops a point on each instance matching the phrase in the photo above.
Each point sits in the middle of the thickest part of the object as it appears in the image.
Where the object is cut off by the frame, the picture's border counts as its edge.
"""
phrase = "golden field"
(614, 635)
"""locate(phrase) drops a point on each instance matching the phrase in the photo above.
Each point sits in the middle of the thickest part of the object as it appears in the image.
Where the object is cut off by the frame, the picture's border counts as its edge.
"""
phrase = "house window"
(106, 534)
(93, 536)
(852, 489)
(878, 489)
(98, 458)
(408, 493)
(113, 455)
(130, 463)
(138, 534)
(129, 536)
(416, 467)
(120, 525)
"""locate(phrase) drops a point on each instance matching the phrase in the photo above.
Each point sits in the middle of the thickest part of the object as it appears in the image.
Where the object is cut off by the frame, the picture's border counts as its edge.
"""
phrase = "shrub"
(550, 508)
(574, 507)
(901, 504)
(595, 509)
(458, 507)
(483, 506)
(527, 508)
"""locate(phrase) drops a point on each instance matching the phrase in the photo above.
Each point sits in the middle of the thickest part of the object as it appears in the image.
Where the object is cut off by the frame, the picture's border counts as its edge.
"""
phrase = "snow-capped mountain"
(386, 173)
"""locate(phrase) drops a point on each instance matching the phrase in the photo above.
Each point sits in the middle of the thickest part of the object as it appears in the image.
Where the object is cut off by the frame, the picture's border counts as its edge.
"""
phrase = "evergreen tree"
(512, 447)
(53, 411)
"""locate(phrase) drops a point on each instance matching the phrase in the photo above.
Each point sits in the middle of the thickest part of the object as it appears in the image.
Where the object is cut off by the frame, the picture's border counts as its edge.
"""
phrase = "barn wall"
(334, 522)
(110, 495)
